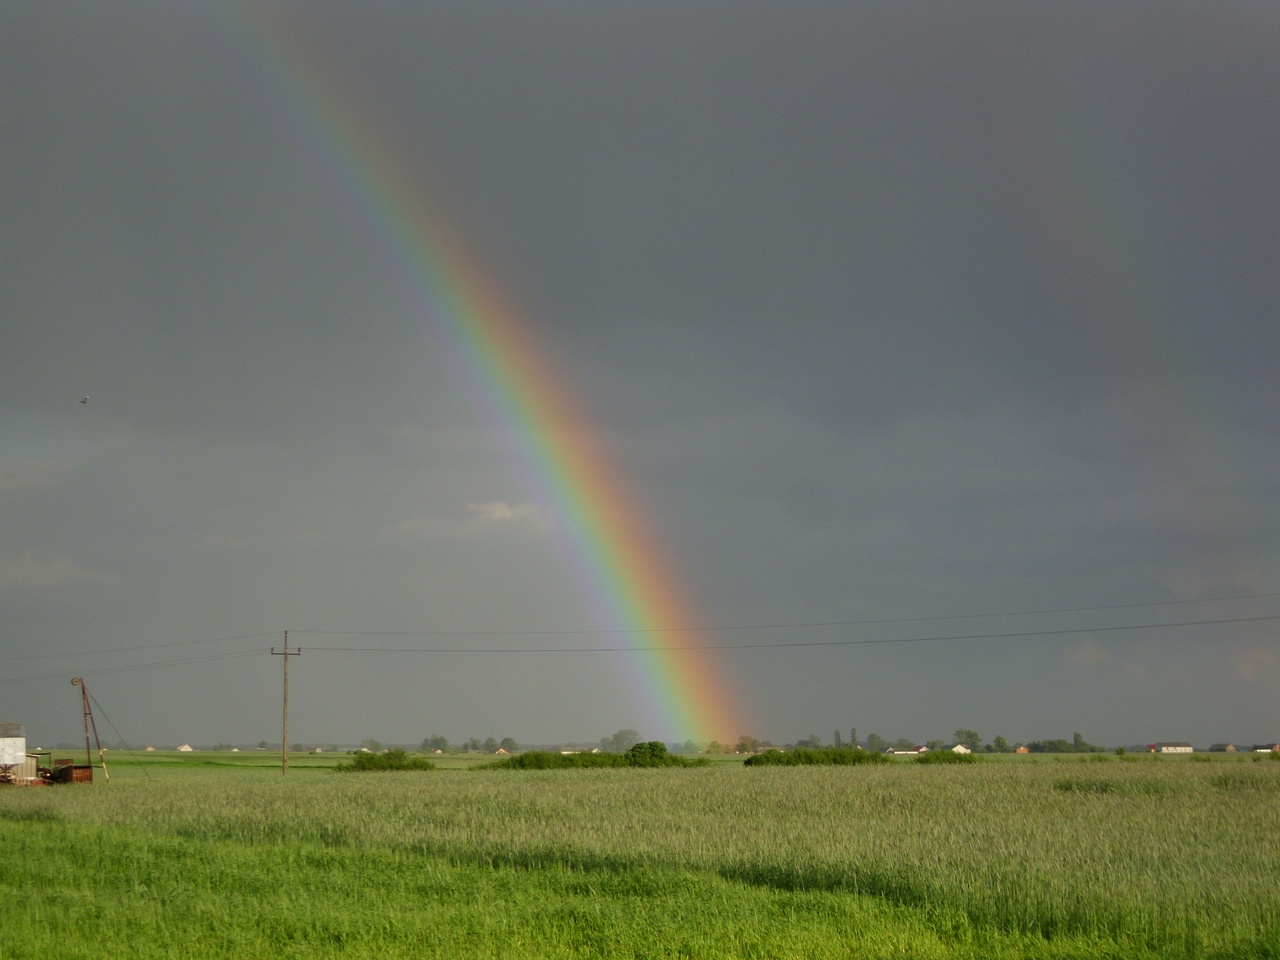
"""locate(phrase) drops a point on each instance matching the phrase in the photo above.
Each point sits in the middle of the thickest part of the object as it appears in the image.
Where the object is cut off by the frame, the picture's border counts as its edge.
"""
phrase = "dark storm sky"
(888, 312)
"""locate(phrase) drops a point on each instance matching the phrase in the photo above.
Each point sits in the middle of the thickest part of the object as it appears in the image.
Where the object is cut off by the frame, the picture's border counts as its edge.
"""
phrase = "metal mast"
(90, 723)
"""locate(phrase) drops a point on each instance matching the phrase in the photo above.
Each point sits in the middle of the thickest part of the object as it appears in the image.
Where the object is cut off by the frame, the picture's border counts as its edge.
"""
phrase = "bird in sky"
(84, 399)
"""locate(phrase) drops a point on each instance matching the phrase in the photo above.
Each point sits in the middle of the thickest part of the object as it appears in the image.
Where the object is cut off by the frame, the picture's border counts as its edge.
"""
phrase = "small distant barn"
(186, 748)
(1171, 746)
(1223, 748)
(1022, 748)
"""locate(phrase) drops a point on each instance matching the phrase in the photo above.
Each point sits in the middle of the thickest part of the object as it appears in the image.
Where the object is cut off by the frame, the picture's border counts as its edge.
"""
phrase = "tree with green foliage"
(1001, 745)
(876, 742)
(651, 753)
(969, 738)
(620, 742)
(853, 737)
(435, 742)
(509, 744)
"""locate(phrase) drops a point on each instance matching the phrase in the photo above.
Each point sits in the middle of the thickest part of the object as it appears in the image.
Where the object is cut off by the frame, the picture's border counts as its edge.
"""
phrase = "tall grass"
(1128, 859)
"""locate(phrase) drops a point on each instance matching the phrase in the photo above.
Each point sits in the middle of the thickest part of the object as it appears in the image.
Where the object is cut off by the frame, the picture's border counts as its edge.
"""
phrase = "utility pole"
(284, 744)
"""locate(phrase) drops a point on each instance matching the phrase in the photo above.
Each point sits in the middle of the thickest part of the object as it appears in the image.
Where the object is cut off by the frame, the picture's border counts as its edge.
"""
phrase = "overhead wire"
(634, 648)
(128, 749)
(143, 646)
(129, 668)
(795, 644)
(801, 625)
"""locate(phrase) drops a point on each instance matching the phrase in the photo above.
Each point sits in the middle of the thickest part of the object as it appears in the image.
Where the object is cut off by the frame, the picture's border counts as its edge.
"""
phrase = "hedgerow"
(652, 753)
(391, 760)
(946, 756)
(808, 757)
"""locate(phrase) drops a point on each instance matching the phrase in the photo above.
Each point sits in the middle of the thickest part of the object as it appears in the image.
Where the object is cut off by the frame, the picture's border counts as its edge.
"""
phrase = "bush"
(806, 757)
(391, 760)
(946, 756)
(651, 754)
(546, 760)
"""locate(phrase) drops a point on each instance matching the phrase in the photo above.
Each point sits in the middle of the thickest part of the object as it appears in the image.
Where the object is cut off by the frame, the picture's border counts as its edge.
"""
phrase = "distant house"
(1223, 748)
(957, 748)
(912, 752)
(1171, 746)
(185, 748)
(1266, 748)
(1022, 748)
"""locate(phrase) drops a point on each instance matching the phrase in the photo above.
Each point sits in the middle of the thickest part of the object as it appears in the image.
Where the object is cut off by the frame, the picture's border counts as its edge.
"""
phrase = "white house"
(1171, 746)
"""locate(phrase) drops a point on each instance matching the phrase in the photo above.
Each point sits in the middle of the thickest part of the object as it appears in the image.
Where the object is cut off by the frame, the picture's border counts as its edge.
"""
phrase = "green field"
(218, 855)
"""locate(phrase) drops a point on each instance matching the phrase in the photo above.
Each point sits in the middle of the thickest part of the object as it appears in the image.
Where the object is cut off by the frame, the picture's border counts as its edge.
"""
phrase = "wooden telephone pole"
(284, 743)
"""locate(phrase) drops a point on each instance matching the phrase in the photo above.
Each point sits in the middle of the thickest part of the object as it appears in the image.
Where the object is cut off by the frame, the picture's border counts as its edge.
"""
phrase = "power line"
(145, 646)
(796, 643)
(723, 628)
(138, 666)
(726, 628)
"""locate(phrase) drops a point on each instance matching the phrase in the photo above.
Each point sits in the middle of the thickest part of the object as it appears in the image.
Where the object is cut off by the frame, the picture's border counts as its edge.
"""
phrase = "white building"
(1171, 746)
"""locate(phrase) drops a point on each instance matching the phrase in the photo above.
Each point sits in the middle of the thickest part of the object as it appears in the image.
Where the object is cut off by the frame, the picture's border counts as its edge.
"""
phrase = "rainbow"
(631, 578)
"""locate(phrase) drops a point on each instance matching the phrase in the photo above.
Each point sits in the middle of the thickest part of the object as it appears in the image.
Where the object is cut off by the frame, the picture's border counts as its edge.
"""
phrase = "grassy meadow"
(218, 855)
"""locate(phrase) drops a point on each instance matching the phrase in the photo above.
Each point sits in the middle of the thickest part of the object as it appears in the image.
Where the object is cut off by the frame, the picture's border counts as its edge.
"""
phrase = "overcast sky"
(937, 313)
